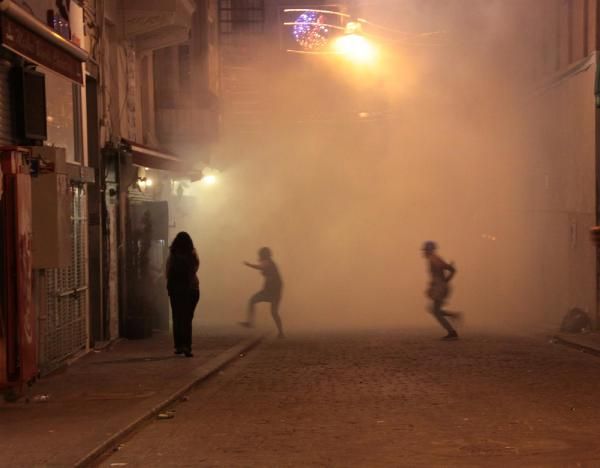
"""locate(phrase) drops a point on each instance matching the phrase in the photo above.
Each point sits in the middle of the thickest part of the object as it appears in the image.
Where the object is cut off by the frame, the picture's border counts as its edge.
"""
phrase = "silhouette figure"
(271, 291)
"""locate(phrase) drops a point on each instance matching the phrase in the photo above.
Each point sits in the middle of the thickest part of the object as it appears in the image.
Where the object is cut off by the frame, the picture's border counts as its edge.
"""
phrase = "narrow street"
(385, 399)
(181, 180)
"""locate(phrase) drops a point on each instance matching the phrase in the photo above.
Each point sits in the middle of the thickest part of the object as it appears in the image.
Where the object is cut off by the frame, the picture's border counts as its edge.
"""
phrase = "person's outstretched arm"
(252, 265)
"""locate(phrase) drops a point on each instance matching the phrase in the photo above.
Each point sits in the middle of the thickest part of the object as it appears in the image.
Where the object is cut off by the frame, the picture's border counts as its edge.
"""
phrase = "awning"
(154, 158)
(30, 38)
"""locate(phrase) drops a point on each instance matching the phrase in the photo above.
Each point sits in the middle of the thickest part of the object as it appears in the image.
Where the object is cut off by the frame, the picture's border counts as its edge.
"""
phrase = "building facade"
(257, 42)
(91, 162)
(44, 121)
(563, 197)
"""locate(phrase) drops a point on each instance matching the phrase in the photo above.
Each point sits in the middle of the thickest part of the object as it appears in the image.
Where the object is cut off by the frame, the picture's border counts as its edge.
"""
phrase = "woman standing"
(184, 290)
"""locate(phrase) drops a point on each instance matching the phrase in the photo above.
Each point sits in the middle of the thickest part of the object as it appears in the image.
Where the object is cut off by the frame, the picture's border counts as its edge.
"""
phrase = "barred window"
(241, 16)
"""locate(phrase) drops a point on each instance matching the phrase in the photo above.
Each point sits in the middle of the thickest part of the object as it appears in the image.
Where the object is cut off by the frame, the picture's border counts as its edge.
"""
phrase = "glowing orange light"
(355, 48)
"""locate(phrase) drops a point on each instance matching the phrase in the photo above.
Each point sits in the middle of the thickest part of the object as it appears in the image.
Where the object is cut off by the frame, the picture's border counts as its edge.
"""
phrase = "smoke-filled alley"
(392, 203)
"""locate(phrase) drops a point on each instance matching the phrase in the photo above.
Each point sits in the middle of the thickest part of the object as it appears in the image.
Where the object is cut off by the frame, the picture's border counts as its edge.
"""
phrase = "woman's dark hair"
(182, 244)
(265, 253)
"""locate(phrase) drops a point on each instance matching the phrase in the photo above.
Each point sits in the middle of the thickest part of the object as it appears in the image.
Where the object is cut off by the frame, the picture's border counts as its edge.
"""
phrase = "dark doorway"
(147, 252)
(99, 318)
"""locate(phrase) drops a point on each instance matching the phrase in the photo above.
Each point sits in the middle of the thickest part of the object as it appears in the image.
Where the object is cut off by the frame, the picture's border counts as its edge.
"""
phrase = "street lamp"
(354, 46)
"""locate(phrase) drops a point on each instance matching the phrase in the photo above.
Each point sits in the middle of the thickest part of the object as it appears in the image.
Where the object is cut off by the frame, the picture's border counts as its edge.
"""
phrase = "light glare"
(210, 179)
(355, 48)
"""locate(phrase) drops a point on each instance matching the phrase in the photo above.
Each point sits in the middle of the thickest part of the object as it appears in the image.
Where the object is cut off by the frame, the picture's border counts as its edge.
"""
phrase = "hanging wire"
(294, 23)
(409, 39)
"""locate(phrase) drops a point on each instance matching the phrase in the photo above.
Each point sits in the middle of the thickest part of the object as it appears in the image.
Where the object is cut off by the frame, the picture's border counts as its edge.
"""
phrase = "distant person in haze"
(271, 291)
(439, 289)
(184, 290)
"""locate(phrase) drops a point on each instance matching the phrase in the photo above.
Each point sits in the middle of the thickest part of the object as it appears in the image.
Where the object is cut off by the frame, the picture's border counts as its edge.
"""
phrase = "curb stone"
(583, 348)
(198, 375)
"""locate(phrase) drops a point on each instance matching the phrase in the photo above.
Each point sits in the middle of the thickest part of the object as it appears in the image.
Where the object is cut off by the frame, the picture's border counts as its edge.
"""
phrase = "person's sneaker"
(179, 351)
(246, 324)
(188, 354)
(450, 337)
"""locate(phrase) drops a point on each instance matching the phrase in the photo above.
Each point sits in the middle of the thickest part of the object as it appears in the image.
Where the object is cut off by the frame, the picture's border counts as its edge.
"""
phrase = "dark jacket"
(181, 273)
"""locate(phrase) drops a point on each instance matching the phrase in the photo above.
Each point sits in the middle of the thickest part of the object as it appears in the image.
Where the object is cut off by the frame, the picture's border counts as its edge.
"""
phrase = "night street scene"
(299, 233)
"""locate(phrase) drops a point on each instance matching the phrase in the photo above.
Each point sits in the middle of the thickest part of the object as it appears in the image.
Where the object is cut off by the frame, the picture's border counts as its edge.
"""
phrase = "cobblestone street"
(385, 399)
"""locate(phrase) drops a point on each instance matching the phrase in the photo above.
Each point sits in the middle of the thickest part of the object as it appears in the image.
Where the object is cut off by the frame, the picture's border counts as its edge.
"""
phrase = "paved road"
(386, 399)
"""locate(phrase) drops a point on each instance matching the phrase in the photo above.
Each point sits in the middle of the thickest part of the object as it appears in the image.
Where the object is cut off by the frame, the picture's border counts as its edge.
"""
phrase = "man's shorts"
(267, 296)
(438, 291)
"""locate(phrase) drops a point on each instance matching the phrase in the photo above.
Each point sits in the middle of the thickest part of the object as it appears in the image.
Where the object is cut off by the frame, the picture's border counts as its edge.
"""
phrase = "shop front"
(42, 108)
(148, 196)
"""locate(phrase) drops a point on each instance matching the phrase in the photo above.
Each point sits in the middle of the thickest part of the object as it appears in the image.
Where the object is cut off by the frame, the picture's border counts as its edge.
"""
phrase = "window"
(63, 107)
(241, 16)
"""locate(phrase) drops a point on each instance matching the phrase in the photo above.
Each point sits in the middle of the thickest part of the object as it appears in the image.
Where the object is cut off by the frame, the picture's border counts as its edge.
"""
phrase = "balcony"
(154, 24)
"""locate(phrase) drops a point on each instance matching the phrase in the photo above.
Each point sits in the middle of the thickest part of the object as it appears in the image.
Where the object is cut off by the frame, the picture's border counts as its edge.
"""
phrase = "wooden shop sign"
(36, 49)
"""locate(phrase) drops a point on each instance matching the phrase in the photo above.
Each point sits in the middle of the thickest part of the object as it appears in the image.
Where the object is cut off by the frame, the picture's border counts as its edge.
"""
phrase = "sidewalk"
(588, 342)
(103, 393)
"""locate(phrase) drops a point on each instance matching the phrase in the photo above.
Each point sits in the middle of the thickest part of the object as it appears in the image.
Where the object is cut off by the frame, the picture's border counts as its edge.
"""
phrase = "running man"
(439, 288)
(271, 291)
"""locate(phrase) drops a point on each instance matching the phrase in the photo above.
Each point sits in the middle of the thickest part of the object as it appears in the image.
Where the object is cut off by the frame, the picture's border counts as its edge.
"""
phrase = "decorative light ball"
(309, 30)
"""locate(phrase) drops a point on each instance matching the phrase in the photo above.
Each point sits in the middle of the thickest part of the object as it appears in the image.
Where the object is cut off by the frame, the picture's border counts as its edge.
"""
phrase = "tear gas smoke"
(350, 169)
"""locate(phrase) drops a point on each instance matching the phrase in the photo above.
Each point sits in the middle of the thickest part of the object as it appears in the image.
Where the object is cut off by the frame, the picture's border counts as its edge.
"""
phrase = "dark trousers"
(183, 305)
(440, 314)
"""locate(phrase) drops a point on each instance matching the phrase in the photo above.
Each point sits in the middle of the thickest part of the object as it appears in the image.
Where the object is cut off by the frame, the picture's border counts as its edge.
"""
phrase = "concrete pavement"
(384, 399)
(105, 394)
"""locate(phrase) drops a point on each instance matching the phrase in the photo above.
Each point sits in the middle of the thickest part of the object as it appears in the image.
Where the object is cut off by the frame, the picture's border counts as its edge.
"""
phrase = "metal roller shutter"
(64, 331)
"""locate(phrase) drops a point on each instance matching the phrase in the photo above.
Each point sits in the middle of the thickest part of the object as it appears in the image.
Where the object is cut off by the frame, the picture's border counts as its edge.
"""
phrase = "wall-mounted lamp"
(144, 182)
(209, 176)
